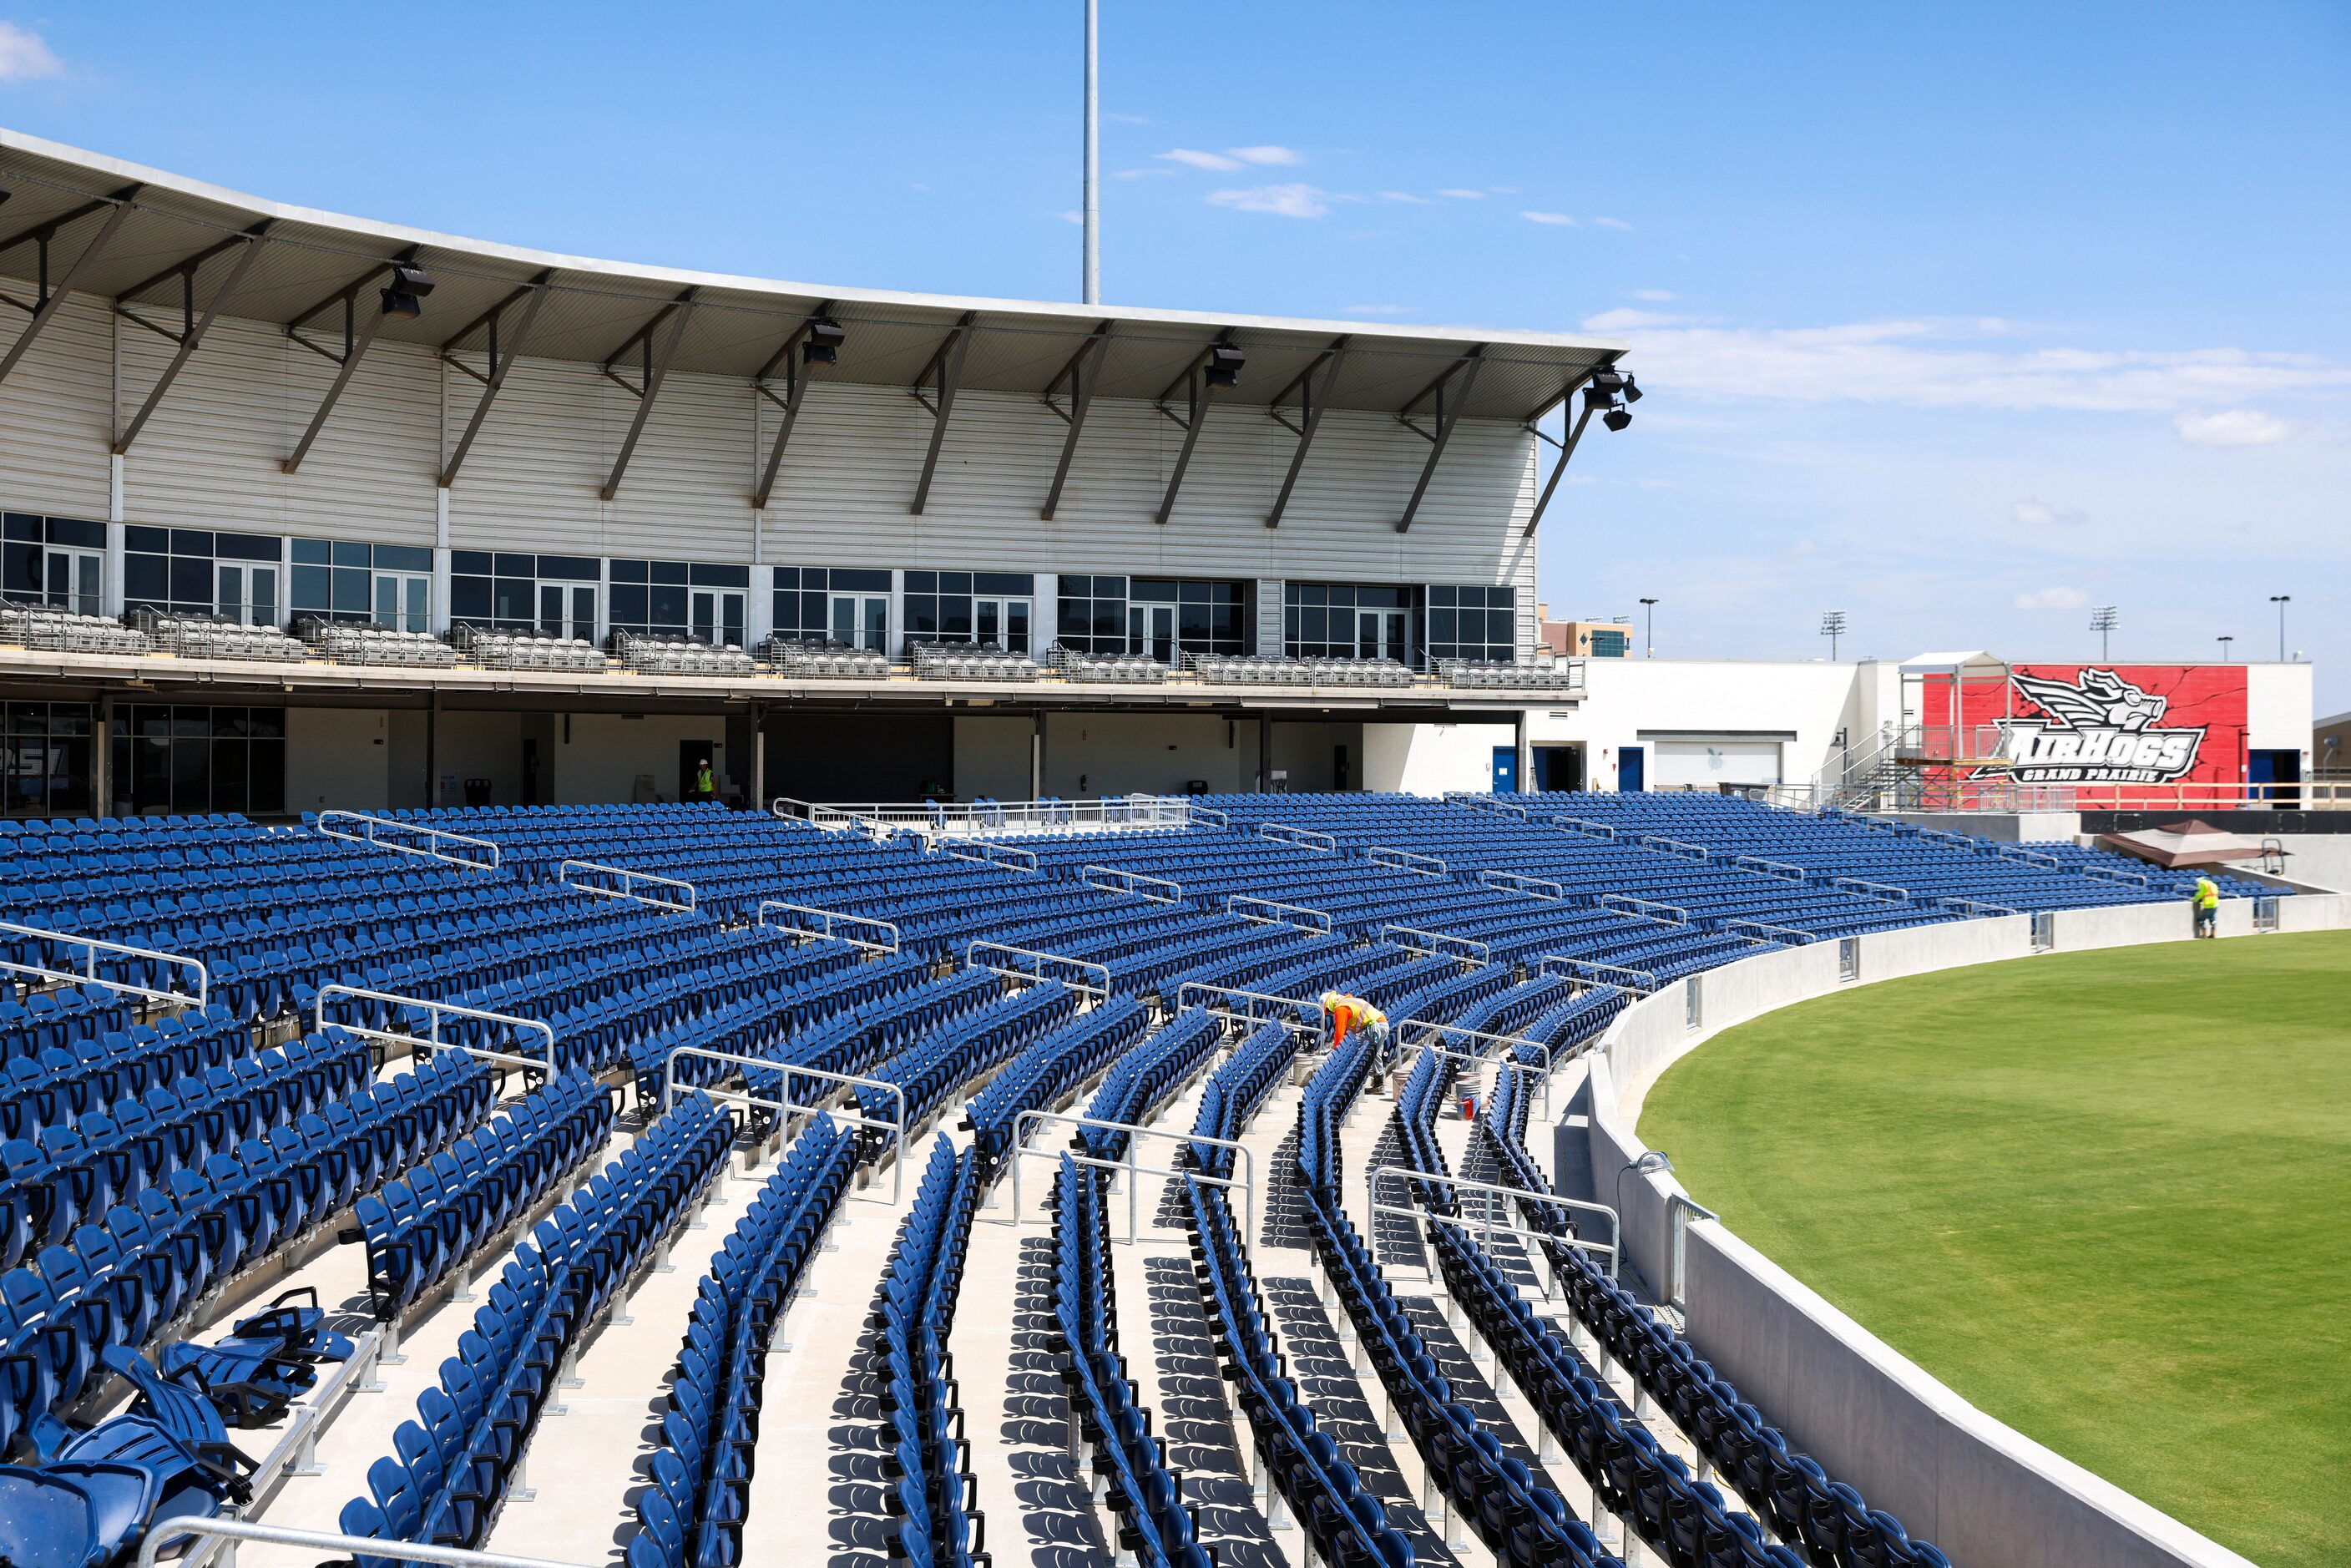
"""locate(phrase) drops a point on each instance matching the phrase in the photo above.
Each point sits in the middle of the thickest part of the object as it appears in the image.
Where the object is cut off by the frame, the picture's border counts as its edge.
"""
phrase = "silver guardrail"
(629, 879)
(1113, 879)
(1438, 944)
(1020, 1151)
(1279, 913)
(1640, 982)
(1882, 891)
(437, 1011)
(92, 947)
(1042, 968)
(1785, 871)
(833, 924)
(1482, 1053)
(1765, 932)
(1648, 909)
(214, 1532)
(1405, 860)
(786, 1104)
(1682, 848)
(1256, 1007)
(1305, 838)
(1976, 907)
(1610, 1249)
(990, 853)
(1532, 887)
(1587, 826)
(372, 832)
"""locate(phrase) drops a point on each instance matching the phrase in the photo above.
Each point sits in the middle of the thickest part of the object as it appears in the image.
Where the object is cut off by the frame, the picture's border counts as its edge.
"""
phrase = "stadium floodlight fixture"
(1832, 626)
(2280, 600)
(2103, 620)
(404, 296)
(1618, 418)
(1607, 393)
(1224, 362)
(2226, 657)
(821, 345)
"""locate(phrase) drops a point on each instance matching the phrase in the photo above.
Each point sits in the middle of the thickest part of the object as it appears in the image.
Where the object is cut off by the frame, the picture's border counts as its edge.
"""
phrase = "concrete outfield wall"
(1989, 1496)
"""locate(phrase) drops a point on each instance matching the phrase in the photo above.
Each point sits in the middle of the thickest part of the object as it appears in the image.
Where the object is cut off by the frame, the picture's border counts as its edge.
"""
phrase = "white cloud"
(1558, 218)
(1265, 155)
(1139, 173)
(1404, 196)
(1458, 195)
(24, 56)
(1625, 319)
(1371, 310)
(2053, 598)
(1200, 160)
(1287, 201)
(1071, 217)
(1940, 364)
(2031, 513)
(1128, 118)
(2231, 427)
(1614, 224)
(1655, 295)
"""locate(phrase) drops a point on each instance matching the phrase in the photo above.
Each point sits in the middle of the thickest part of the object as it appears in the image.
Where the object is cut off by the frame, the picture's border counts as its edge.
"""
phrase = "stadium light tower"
(2226, 657)
(1832, 628)
(1091, 216)
(2103, 620)
(1649, 608)
(2280, 600)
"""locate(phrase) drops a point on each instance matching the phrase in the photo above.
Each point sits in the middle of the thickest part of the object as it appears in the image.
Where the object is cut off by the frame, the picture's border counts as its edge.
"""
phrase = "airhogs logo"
(2101, 729)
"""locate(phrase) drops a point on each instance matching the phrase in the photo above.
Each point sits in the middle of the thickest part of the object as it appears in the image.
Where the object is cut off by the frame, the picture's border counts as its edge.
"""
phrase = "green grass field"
(2106, 1197)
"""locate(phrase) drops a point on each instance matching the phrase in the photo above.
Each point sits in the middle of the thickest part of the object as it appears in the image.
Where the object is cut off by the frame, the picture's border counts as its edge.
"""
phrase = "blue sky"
(1962, 320)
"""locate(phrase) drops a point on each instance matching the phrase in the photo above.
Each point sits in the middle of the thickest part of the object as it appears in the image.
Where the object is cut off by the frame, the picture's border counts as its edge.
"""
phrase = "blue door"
(1632, 768)
(1506, 770)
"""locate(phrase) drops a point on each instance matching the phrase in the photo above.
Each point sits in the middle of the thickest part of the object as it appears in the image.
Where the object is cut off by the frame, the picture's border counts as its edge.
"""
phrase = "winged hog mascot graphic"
(2100, 729)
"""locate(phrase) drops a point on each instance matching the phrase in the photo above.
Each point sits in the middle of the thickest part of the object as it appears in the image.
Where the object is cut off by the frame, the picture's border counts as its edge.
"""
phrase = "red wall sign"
(2111, 723)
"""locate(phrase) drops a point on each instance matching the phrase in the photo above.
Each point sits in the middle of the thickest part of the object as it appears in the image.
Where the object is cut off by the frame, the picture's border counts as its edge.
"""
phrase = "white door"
(1001, 621)
(248, 594)
(861, 620)
(568, 609)
(1703, 764)
(1151, 629)
(1379, 635)
(404, 600)
(71, 578)
(715, 616)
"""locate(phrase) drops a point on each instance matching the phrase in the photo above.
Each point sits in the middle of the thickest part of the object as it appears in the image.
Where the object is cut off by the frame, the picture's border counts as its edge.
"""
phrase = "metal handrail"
(1487, 803)
(1586, 826)
(1113, 879)
(1680, 848)
(1304, 838)
(1639, 908)
(1405, 860)
(92, 946)
(436, 1009)
(971, 958)
(2115, 873)
(989, 851)
(1189, 990)
(1439, 944)
(1868, 889)
(1770, 933)
(1645, 981)
(433, 835)
(1512, 882)
(352, 1546)
(628, 879)
(1021, 1151)
(1204, 817)
(1483, 1057)
(1970, 907)
(1613, 1247)
(787, 1104)
(1321, 921)
(830, 917)
(1772, 868)
(2030, 857)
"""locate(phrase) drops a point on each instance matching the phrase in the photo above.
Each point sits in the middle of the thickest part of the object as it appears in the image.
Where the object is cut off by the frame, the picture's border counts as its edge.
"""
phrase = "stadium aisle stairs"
(818, 1476)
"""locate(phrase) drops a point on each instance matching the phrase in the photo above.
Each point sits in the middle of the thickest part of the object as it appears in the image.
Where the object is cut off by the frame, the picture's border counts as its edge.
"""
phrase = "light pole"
(2280, 600)
(2103, 620)
(1833, 627)
(1649, 608)
(1092, 215)
(2225, 656)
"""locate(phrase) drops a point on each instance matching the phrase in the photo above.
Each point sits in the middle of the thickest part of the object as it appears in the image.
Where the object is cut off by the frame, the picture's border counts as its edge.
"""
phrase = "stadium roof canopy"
(170, 250)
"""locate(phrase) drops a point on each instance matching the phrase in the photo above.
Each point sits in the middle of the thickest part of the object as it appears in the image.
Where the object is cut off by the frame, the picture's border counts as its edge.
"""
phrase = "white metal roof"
(597, 310)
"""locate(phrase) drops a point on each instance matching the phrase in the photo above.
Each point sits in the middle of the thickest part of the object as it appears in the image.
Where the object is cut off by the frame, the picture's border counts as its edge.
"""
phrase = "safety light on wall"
(405, 294)
(821, 346)
(1608, 393)
(1224, 362)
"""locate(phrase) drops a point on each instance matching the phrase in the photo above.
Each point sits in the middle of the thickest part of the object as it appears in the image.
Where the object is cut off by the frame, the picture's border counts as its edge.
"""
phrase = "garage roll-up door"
(1682, 764)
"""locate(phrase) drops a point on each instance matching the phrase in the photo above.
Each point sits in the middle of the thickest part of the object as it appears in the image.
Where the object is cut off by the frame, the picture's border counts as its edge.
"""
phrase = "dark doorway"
(532, 784)
(692, 756)
(1632, 768)
(1339, 768)
(858, 757)
(2274, 776)
(1558, 767)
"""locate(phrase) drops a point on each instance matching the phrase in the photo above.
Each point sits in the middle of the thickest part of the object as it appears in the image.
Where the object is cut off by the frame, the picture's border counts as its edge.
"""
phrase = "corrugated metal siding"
(213, 455)
(1272, 610)
(55, 428)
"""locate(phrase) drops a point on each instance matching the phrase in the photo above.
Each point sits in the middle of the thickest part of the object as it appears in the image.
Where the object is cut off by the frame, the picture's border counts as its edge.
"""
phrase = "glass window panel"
(266, 723)
(153, 541)
(191, 541)
(192, 580)
(24, 526)
(265, 778)
(314, 589)
(955, 583)
(955, 616)
(76, 534)
(921, 582)
(673, 572)
(145, 579)
(469, 598)
(474, 561)
(351, 594)
(669, 607)
(348, 554)
(245, 547)
(628, 603)
(1009, 582)
(862, 579)
(706, 575)
(20, 570)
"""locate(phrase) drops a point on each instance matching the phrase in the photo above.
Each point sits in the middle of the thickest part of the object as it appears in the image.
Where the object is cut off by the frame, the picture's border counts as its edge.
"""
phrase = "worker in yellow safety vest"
(2207, 899)
(705, 783)
(1348, 1014)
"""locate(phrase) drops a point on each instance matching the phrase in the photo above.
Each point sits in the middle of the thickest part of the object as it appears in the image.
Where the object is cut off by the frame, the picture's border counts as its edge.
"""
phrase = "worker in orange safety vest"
(1348, 1014)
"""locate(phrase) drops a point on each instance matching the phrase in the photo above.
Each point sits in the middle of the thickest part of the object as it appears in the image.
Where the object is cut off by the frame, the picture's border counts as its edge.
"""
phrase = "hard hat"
(1330, 999)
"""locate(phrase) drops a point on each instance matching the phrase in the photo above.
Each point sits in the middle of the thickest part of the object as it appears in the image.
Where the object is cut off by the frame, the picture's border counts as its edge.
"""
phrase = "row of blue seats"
(62, 1082)
(421, 1227)
(150, 1262)
(1824, 1521)
(818, 986)
(936, 1520)
(960, 1047)
(447, 1477)
(33, 1022)
(692, 1514)
(1148, 1077)
(1049, 1068)
(857, 1038)
(1234, 1092)
(1519, 1515)
(1154, 1526)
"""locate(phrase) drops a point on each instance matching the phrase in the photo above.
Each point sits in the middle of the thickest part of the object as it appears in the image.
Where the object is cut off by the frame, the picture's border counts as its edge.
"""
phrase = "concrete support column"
(1264, 752)
(433, 751)
(1526, 753)
(1037, 758)
(440, 615)
(101, 761)
(758, 758)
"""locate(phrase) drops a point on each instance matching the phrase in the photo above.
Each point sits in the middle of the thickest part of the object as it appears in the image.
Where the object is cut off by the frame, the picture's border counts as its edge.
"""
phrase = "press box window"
(56, 561)
(985, 607)
(845, 604)
(200, 572)
(363, 584)
(1350, 620)
(1469, 622)
(170, 759)
(680, 598)
(505, 591)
